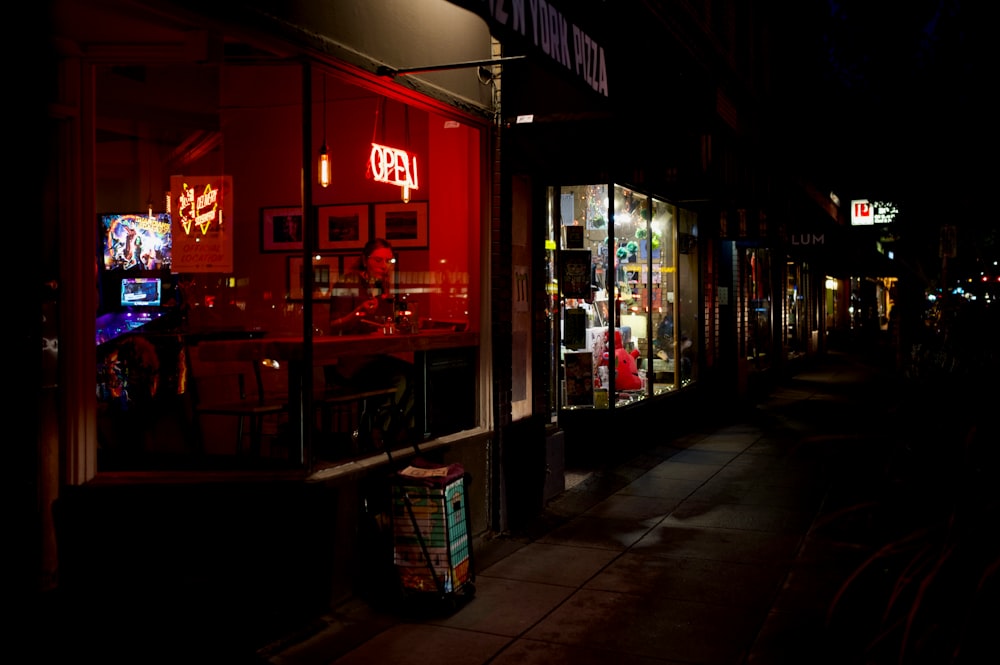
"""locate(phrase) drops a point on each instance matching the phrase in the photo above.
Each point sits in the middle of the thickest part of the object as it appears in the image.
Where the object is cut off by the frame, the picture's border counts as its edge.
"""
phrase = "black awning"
(567, 37)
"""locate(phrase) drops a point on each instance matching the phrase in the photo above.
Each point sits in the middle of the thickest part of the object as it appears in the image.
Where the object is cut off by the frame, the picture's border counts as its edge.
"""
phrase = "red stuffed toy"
(626, 372)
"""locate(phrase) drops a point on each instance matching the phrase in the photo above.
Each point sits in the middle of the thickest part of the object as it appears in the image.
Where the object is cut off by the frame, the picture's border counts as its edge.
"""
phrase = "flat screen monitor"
(141, 292)
(130, 241)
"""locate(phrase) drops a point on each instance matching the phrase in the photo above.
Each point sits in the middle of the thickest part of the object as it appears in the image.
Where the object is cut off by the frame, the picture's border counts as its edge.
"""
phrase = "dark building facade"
(584, 222)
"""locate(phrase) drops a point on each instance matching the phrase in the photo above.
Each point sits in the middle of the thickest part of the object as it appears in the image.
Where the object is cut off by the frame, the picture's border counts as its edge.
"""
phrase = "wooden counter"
(328, 348)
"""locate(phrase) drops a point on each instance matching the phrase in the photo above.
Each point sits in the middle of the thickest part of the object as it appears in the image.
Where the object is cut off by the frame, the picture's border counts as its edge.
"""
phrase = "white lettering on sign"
(807, 239)
(868, 213)
(550, 31)
(553, 31)
(590, 60)
(393, 166)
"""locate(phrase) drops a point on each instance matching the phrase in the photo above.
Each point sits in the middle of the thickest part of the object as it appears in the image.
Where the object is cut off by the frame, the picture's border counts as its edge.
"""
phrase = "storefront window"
(623, 283)
(203, 243)
(553, 310)
(793, 310)
(689, 299)
(756, 304)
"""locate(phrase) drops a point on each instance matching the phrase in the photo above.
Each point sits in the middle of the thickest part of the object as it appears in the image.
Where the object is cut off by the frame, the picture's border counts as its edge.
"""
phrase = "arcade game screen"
(135, 241)
(135, 283)
(141, 291)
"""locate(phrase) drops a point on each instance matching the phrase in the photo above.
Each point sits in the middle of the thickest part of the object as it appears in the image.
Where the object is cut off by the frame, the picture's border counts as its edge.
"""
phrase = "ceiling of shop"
(156, 73)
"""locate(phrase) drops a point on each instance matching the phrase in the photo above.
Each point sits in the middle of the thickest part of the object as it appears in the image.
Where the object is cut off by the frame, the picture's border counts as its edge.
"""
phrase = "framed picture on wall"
(281, 229)
(402, 224)
(343, 227)
(325, 272)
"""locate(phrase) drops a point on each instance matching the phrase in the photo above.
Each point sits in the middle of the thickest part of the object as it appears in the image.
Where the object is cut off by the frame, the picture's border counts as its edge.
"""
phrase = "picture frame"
(402, 224)
(342, 227)
(281, 229)
(326, 270)
(574, 237)
(575, 274)
(579, 386)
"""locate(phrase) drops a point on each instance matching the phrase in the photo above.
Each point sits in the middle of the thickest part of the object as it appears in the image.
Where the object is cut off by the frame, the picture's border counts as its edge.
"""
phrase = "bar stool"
(227, 394)
(351, 412)
(348, 413)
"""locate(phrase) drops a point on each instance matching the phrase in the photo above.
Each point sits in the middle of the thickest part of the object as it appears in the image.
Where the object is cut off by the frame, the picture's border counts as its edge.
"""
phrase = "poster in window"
(201, 228)
(579, 378)
(574, 237)
(574, 274)
(575, 329)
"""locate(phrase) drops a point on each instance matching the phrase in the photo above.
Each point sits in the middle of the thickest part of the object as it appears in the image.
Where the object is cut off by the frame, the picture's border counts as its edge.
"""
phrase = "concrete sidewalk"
(725, 546)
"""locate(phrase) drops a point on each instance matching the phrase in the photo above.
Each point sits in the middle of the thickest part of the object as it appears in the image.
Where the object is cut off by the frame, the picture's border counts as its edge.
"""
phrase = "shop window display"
(756, 280)
(629, 244)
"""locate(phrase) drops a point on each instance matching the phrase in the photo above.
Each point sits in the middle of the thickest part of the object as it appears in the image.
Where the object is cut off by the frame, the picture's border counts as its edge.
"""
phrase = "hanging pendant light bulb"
(406, 194)
(323, 168)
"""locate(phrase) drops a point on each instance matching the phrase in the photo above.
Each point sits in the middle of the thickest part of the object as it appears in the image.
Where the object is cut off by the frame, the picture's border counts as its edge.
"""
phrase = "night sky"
(888, 100)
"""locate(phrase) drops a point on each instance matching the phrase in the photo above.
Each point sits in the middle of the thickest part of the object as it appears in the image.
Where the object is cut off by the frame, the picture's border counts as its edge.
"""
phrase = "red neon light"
(198, 210)
(393, 166)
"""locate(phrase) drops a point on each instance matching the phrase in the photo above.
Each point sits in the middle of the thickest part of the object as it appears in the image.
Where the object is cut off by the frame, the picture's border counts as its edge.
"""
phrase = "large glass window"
(793, 310)
(689, 298)
(221, 287)
(628, 305)
(755, 276)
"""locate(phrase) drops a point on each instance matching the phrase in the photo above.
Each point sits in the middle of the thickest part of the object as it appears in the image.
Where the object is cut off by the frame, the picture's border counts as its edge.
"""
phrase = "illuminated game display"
(135, 282)
(140, 292)
(135, 241)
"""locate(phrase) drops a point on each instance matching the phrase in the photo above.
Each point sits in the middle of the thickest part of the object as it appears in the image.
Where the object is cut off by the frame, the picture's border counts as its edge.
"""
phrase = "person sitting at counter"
(362, 298)
(361, 303)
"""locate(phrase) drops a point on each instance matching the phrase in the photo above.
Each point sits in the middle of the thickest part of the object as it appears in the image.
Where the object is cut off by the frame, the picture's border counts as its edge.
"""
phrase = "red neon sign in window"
(393, 166)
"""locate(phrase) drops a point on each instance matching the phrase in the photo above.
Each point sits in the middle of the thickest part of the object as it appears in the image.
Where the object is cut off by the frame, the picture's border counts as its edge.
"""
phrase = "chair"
(226, 394)
(348, 411)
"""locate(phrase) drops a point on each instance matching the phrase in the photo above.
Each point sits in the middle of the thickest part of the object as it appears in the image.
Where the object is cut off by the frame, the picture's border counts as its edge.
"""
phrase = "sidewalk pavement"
(724, 546)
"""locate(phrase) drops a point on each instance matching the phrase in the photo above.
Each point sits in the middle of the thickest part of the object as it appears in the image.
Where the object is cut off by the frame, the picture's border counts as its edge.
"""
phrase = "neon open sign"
(393, 166)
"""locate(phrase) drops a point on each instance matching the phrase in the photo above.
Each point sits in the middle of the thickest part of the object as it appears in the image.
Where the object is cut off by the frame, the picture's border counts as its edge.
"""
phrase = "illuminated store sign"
(198, 210)
(393, 166)
(201, 207)
(869, 213)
